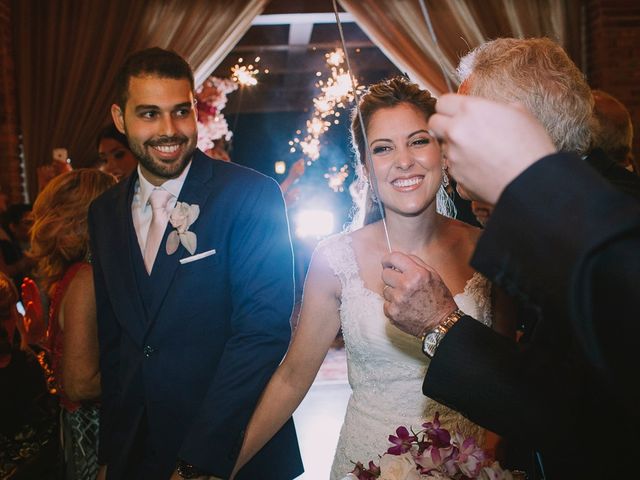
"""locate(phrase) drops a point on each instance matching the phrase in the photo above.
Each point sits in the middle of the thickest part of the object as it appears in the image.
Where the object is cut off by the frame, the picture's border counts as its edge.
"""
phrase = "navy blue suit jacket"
(186, 352)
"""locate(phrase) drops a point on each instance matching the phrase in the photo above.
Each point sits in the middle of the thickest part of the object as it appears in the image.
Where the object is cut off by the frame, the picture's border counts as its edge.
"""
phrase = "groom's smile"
(167, 149)
(160, 123)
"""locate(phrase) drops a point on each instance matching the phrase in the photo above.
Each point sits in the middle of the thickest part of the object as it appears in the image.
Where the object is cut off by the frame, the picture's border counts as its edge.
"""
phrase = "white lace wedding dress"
(386, 366)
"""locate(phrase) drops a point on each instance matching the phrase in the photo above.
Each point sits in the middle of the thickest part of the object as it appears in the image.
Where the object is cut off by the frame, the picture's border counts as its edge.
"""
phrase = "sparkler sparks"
(245, 75)
(336, 178)
(317, 127)
(310, 147)
(335, 93)
(335, 58)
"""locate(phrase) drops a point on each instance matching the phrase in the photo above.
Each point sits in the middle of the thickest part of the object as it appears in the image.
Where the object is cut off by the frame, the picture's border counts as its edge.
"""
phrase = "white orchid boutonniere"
(182, 217)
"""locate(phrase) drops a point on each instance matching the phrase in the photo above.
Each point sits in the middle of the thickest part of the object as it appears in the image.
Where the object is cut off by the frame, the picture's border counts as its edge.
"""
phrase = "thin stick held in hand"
(368, 160)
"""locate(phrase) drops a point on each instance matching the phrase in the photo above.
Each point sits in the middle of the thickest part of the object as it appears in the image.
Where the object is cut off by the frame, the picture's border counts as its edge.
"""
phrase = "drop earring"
(373, 196)
(445, 177)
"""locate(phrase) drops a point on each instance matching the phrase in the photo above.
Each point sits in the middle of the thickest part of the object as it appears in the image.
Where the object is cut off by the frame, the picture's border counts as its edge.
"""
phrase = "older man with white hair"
(545, 394)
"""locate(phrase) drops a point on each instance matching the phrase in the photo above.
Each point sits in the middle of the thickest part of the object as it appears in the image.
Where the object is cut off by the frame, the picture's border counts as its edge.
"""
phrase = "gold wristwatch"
(431, 339)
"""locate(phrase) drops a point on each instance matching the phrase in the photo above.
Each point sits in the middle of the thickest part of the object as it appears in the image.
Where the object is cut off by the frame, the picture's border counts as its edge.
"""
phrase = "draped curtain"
(68, 53)
(399, 28)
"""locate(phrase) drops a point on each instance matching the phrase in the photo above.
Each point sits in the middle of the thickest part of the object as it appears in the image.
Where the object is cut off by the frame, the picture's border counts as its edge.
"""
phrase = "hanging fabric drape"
(68, 53)
(204, 33)
(399, 29)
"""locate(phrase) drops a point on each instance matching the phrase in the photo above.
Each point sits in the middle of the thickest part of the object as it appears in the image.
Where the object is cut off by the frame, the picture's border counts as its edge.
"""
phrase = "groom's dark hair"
(152, 61)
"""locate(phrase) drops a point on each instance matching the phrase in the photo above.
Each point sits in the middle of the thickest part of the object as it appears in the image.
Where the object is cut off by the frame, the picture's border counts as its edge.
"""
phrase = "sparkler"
(336, 178)
(336, 92)
(245, 75)
(373, 182)
(335, 58)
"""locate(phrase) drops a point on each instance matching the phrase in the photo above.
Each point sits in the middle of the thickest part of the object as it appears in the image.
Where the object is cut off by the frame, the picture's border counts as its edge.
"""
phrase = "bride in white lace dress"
(386, 366)
(344, 289)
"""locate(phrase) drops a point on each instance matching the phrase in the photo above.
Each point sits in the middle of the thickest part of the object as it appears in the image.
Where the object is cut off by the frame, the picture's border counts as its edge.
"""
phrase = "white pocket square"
(197, 256)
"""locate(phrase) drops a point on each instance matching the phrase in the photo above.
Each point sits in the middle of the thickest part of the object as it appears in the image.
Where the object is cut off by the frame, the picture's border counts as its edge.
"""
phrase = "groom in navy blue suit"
(193, 310)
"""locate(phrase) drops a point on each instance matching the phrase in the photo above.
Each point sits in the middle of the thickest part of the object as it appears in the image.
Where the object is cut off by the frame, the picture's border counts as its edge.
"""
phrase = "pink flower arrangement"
(432, 453)
(211, 99)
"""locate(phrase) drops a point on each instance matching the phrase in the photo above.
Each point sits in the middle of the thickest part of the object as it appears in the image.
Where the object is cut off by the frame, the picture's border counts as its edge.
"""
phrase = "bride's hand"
(416, 298)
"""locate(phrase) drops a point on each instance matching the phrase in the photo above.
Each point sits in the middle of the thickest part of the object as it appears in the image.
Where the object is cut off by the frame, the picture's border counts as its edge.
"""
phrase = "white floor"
(318, 420)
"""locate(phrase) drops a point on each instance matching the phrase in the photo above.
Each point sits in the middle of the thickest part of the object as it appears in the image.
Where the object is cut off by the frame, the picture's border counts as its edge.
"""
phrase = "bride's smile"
(407, 184)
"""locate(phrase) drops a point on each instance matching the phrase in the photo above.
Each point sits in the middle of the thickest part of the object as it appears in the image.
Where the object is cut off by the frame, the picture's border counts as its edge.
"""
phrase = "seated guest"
(114, 154)
(16, 222)
(60, 246)
(613, 131)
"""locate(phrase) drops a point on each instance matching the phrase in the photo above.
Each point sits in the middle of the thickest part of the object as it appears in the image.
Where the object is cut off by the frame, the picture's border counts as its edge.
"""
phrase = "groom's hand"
(416, 298)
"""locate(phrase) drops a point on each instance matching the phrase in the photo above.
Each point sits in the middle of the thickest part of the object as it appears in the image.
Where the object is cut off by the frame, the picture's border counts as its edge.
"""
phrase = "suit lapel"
(194, 192)
(123, 284)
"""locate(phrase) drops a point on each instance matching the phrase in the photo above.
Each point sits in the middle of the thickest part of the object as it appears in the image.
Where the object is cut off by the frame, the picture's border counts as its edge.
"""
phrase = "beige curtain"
(68, 53)
(399, 28)
(204, 33)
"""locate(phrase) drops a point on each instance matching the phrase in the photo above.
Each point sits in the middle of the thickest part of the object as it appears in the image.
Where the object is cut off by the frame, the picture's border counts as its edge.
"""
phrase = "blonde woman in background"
(60, 246)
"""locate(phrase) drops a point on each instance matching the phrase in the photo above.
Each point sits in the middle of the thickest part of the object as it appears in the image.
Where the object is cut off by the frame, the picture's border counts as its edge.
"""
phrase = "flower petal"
(194, 213)
(172, 243)
(189, 241)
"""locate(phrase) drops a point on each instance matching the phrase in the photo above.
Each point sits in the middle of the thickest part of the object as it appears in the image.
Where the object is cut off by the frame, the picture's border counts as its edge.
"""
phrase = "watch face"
(430, 343)
(432, 340)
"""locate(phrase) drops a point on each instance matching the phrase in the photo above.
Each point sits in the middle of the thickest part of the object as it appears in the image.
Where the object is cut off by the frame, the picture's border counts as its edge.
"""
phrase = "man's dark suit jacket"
(622, 179)
(563, 240)
(186, 351)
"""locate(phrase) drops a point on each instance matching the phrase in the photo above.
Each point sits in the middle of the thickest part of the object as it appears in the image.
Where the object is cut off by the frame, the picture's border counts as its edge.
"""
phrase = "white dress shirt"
(141, 208)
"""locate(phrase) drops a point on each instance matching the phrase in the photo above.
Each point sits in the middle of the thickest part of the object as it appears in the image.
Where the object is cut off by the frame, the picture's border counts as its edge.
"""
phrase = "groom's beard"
(161, 167)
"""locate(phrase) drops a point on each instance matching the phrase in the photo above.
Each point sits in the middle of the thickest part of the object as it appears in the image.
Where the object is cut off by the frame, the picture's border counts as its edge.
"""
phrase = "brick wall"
(613, 54)
(11, 178)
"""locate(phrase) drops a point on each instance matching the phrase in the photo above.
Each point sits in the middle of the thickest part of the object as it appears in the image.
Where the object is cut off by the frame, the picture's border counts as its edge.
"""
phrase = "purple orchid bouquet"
(432, 453)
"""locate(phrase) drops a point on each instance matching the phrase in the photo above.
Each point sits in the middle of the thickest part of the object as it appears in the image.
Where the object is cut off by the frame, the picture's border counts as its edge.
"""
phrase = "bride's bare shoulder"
(365, 238)
(367, 232)
(461, 232)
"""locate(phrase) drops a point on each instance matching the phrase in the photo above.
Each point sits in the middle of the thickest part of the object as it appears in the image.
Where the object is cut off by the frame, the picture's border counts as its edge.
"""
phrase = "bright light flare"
(280, 167)
(314, 223)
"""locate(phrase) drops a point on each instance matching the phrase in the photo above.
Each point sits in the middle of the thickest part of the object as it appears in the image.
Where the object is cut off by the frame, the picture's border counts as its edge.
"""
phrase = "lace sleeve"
(339, 254)
(476, 299)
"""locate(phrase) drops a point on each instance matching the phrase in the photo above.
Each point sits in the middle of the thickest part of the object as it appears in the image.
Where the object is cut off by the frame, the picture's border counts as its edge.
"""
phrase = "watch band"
(431, 339)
